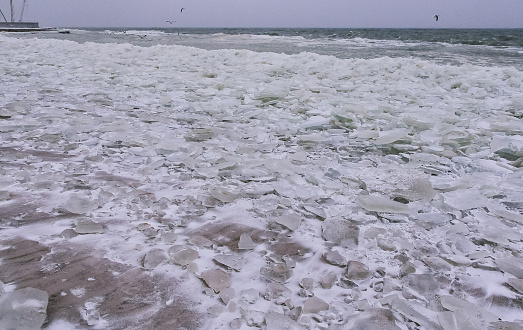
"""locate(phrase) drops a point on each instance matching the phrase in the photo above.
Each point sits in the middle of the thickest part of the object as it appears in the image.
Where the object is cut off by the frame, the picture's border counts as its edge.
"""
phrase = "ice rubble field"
(282, 191)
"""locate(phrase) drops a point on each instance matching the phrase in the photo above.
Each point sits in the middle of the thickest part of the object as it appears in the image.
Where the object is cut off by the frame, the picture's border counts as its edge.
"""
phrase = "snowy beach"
(174, 187)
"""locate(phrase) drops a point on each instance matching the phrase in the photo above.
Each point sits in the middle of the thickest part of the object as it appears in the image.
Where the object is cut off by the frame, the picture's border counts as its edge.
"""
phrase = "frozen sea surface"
(239, 189)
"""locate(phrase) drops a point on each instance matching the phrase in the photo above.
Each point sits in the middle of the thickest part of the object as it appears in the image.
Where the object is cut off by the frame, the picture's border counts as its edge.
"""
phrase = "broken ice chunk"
(327, 281)
(511, 265)
(391, 136)
(253, 318)
(235, 262)
(4, 196)
(372, 319)
(227, 295)
(508, 147)
(437, 264)
(382, 204)
(448, 321)
(200, 241)
(183, 256)
(199, 135)
(465, 199)
(316, 210)
(415, 313)
(423, 283)
(80, 205)
(454, 304)
(154, 258)
(86, 226)
(169, 237)
(246, 242)
(291, 221)
(357, 270)
(387, 244)
(277, 321)
(277, 272)
(314, 305)
(505, 325)
(418, 189)
(215, 310)
(335, 258)
(225, 194)
(23, 309)
(516, 283)
(250, 295)
(216, 279)
(277, 290)
(434, 218)
(340, 231)
(456, 260)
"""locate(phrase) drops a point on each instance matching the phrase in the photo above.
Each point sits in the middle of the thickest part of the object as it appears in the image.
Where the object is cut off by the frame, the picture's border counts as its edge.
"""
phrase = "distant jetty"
(20, 26)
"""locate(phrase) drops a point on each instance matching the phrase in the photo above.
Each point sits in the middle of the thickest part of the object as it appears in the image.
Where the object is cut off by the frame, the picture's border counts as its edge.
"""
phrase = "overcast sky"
(274, 13)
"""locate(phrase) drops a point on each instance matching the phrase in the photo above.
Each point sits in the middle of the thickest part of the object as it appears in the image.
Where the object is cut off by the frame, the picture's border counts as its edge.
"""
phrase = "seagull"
(181, 10)
(170, 22)
(436, 17)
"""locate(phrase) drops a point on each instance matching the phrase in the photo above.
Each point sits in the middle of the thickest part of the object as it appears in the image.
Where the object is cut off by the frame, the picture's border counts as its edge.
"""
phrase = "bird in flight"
(170, 22)
(181, 10)
(436, 17)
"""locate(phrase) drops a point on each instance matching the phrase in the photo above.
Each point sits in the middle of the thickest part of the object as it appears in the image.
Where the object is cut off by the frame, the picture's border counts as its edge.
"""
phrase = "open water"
(445, 46)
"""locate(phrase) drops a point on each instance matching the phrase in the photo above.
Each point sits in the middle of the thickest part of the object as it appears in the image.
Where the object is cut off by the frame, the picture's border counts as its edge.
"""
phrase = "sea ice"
(80, 205)
(216, 279)
(154, 258)
(335, 258)
(291, 221)
(200, 241)
(183, 255)
(278, 272)
(246, 242)
(516, 283)
(465, 199)
(357, 270)
(455, 304)
(371, 319)
(250, 296)
(423, 283)
(227, 294)
(87, 226)
(168, 237)
(232, 261)
(340, 231)
(418, 314)
(277, 321)
(225, 194)
(391, 136)
(255, 136)
(511, 265)
(23, 309)
(382, 204)
(276, 290)
(314, 305)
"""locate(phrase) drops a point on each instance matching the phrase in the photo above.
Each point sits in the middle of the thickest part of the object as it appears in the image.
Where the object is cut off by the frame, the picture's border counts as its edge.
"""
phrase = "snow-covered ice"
(237, 189)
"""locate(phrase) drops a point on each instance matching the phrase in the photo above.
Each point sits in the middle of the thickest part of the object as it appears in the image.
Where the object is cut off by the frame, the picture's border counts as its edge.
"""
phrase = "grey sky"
(275, 13)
